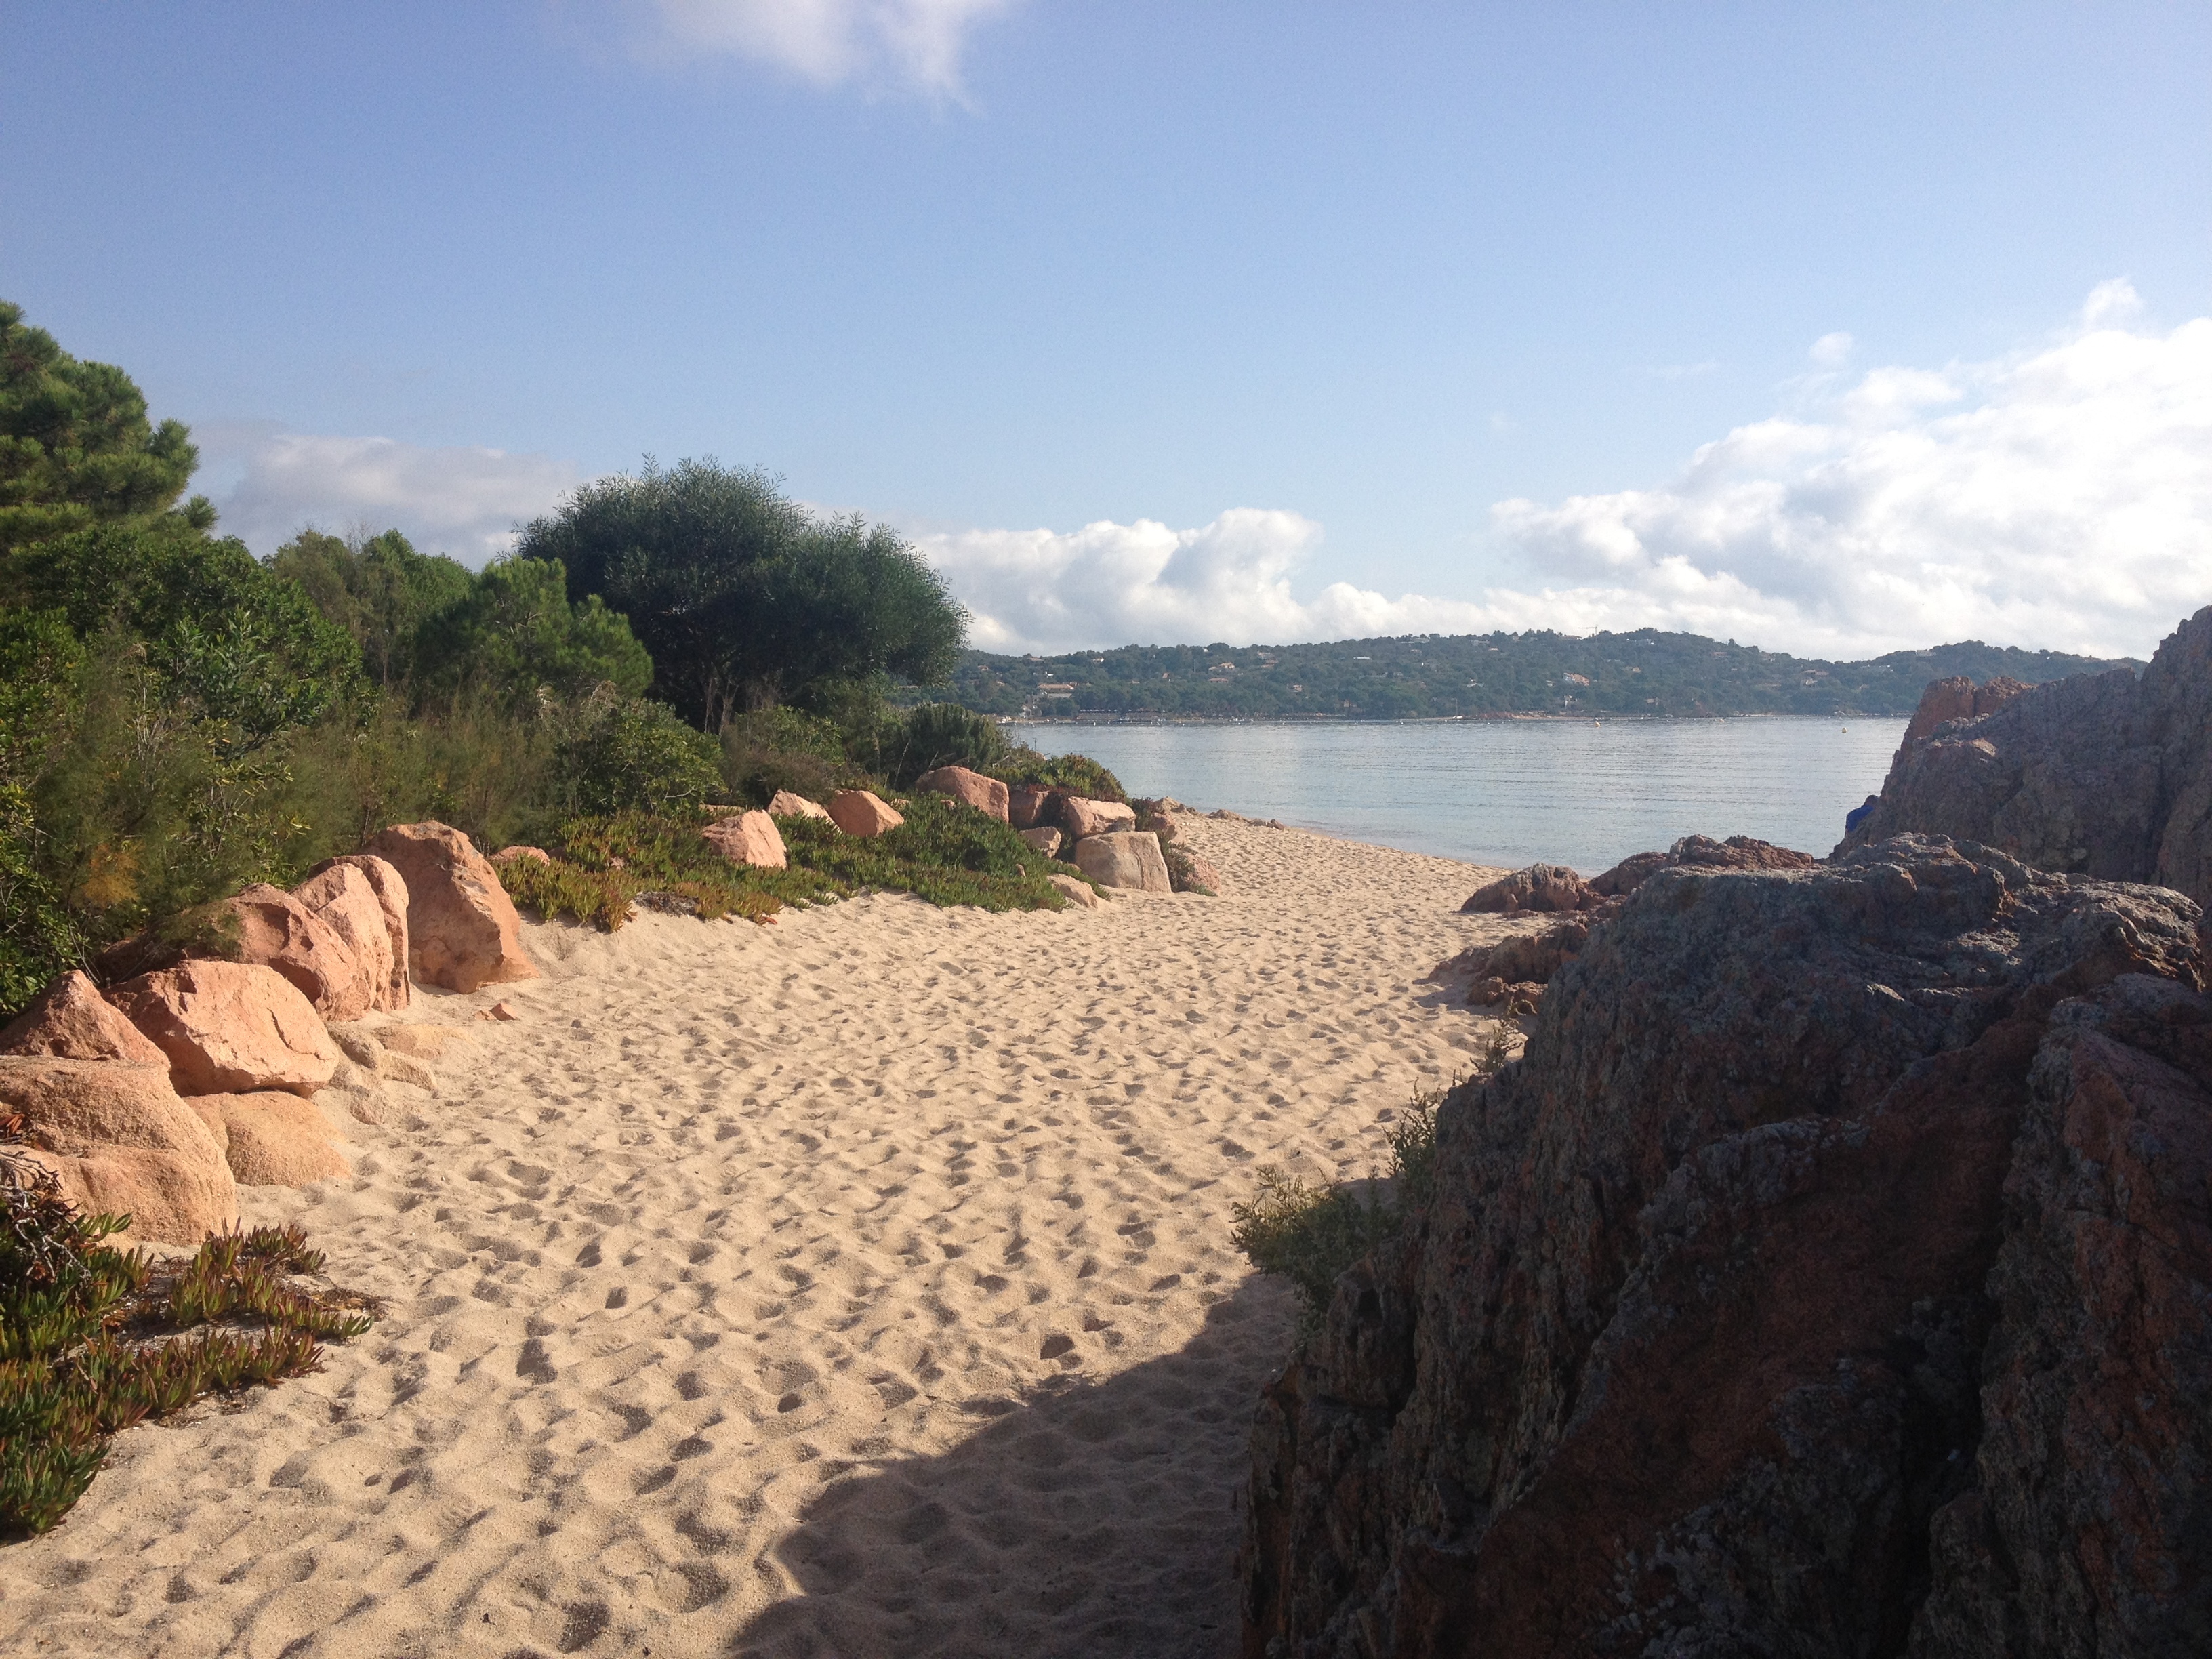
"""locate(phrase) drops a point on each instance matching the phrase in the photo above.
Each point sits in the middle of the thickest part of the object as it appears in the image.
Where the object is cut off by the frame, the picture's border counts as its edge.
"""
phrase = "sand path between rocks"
(859, 1286)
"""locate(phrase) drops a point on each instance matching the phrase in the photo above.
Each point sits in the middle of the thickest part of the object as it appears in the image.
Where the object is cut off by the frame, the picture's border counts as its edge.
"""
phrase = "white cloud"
(1114, 583)
(828, 42)
(1830, 350)
(266, 484)
(2059, 497)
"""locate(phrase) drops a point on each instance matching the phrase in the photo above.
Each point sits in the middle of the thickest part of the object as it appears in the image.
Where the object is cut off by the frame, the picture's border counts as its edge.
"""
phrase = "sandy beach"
(859, 1284)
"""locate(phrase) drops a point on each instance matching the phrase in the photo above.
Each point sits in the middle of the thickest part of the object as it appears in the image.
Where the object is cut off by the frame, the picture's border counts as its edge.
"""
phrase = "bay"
(1510, 793)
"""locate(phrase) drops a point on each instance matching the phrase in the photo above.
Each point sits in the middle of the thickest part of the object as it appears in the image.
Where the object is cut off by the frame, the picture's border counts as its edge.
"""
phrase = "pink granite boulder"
(750, 838)
(70, 1020)
(229, 1028)
(986, 795)
(462, 929)
(862, 812)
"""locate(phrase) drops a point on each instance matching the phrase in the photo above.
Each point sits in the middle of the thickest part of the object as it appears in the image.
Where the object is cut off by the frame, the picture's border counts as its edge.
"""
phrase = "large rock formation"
(272, 1138)
(462, 929)
(2104, 773)
(349, 904)
(1698, 1349)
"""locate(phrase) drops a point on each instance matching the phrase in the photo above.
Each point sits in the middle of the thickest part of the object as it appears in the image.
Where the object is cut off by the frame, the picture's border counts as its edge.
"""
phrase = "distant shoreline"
(1104, 719)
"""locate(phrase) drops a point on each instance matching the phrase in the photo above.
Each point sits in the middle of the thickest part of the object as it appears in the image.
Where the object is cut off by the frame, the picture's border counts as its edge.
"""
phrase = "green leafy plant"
(1312, 1235)
(937, 734)
(94, 1339)
(1077, 773)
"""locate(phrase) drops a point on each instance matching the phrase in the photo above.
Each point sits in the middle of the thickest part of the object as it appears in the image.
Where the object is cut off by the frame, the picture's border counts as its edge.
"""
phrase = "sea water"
(1510, 793)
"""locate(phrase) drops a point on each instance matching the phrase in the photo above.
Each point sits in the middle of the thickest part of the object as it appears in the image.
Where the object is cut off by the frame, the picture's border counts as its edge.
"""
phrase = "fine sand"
(859, 1284)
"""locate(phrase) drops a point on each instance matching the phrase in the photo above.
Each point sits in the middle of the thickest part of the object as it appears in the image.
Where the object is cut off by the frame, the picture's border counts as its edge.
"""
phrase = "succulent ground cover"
(944, 853)
(94, 1339)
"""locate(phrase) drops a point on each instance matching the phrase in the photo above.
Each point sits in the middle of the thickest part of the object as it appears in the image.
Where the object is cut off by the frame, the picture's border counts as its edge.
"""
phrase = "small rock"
(785, 805)
(535, 855)
(1078, 892)
(751, 838)
(862, 812)
(1540, 887)
(1045, 839)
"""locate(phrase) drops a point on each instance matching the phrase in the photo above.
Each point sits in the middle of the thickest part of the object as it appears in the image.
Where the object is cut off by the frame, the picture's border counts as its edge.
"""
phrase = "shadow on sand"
(1092, 1519)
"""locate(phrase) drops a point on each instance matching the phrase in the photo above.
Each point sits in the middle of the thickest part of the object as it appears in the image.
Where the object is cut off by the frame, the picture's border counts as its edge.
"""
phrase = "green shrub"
(937, 734)
(1077, 773)
(1312, 1236)
(774, 749)
(94, 1339)
(612, 753)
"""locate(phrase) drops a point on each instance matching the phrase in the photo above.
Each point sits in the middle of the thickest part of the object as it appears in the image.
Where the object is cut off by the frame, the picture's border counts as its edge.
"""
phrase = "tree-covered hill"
(1430, 675)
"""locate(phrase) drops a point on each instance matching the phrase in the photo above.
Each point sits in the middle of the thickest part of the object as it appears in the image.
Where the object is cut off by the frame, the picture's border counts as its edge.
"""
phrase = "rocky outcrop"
(862, 812)
(1126, 858)
(391, 889)
(2084, 1529)
(986, 795)
(70, 1020)
(462, 929)
(271, 1138)
(785, 805)
(1764, 1306)
(750, 838)
(122, 1143)
(2102, 775)
(1958, 698)
(1550, 887)
(229, 1028)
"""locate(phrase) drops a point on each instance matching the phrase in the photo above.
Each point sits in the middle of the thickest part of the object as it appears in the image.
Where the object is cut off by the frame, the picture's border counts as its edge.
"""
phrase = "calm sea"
(1512, 791)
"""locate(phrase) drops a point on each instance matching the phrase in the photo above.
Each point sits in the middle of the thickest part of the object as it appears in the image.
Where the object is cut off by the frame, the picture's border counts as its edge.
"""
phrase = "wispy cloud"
(913, 43)
(2060, 497)
(267, 483)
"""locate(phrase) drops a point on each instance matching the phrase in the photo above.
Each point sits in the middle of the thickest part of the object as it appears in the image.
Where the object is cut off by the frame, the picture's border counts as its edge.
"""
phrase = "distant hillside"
(1429, 676)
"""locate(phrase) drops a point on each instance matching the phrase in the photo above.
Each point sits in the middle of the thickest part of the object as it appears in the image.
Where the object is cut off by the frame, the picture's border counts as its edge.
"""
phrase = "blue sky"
(1835, 328)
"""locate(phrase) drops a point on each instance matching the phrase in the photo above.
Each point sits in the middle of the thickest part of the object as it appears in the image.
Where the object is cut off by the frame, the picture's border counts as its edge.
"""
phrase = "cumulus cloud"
(267, 483)
(2058, 497)
(1114, 583)
(917, 43)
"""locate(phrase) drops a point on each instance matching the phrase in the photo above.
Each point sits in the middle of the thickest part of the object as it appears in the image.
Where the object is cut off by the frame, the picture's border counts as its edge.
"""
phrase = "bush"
(1077, 773)
(94, 1339)
(774, 749)
(1312, 1236)
(937, 734)
(611, 753)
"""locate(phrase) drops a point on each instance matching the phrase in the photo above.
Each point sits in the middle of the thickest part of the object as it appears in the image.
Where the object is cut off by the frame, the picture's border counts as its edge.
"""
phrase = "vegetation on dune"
(944, 853)
(1434, 676)
(94, 1339)
(1313, 1235)
(178, 718)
